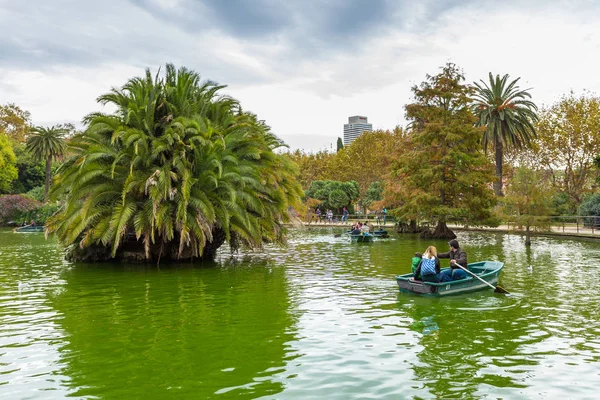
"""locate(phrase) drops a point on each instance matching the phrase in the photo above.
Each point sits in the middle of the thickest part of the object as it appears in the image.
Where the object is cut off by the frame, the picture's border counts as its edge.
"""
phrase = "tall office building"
(355, 127)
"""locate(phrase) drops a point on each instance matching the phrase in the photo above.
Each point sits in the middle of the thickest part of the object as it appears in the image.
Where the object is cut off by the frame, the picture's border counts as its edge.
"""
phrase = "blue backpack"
(428, 266)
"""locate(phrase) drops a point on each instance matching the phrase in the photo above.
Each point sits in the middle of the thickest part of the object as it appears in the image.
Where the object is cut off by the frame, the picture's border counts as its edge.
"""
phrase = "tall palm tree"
(46, 144)
(508, 115)
(173, 173)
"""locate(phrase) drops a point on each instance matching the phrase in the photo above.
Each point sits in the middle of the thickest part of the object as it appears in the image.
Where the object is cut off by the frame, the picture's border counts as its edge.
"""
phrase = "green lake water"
(319, 319)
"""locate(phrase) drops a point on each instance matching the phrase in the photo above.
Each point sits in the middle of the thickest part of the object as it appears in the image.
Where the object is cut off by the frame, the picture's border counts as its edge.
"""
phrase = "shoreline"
(565, 232)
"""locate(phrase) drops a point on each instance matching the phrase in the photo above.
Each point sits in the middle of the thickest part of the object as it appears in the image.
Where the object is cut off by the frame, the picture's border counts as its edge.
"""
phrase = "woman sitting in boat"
(429, 267)
(364, 229)
(355, 229)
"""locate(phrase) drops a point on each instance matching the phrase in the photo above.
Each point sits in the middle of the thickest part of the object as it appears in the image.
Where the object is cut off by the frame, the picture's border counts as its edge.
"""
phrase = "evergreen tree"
(340, 144)
(444, 174)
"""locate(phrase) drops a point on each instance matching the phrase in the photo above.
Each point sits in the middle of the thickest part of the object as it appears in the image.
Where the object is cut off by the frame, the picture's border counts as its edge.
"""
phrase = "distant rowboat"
(30, 228)
(380, 234)
(360, 238)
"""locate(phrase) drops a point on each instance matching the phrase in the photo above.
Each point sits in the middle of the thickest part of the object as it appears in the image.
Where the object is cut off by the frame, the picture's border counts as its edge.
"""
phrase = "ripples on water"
(320, 318)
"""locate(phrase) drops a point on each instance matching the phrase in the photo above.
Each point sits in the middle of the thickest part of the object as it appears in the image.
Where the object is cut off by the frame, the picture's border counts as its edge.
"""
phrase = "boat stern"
(408, 285)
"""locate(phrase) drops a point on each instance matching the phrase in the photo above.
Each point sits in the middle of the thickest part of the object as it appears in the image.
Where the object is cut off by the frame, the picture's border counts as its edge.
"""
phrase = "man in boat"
(456, 256)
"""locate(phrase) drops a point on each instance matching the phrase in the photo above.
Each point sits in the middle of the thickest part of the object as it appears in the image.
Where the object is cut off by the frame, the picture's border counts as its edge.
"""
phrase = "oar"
(497, 289)
(337, 235)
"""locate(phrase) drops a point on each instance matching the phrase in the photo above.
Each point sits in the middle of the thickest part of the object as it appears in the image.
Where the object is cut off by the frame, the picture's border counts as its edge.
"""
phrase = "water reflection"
(460, 338)
(29, 335)
(320, 318)
(174, 331)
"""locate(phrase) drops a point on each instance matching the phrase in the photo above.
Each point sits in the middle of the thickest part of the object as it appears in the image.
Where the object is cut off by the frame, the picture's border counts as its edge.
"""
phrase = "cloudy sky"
(302, 65)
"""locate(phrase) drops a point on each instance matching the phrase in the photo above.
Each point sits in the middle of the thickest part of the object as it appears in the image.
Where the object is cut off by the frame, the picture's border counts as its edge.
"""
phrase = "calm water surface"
(319, 319)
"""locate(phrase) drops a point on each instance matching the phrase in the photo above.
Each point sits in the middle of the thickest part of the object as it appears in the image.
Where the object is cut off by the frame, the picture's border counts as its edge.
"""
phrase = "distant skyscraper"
(355, 127)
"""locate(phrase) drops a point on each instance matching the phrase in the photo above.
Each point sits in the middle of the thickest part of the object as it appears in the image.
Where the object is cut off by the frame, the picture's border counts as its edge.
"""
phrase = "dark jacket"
(459, 255)
(437, 267)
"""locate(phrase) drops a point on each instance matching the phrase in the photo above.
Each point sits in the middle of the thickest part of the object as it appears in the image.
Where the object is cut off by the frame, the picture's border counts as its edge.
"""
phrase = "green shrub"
(591, 205)
(37, 193)
(40, 215)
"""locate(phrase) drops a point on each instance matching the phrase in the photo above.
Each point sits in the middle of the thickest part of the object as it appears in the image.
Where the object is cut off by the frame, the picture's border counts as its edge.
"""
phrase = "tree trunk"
(48, 171)
(132, 250)
(499, 154)
(527, 236)
(411, 227)
(211, 248)
(441, 231)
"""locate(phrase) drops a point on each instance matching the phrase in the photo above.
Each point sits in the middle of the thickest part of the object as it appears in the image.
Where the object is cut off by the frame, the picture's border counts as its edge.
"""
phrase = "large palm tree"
(508, 115)
(47, 144)
(173, 173)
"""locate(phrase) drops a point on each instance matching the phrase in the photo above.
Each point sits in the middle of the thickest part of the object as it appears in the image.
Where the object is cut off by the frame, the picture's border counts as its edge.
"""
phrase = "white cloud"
(303, 77)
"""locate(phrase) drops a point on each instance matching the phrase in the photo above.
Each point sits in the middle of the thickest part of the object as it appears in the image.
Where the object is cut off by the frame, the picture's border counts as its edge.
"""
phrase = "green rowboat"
(360, 238)
(380, 234)
(489, 271)
(29, 229)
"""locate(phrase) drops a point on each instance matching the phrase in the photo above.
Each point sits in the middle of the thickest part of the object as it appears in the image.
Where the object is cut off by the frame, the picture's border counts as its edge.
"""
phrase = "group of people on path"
(328, 215)
(380, 216)
(426, 266)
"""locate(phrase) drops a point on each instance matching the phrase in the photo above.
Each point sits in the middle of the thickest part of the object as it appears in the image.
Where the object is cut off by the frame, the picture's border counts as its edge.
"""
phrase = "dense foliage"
(367, 160)
(374, 193)
(312, 166)
(591, 205)
(333, 194)
(444, 174)
(174, 172)
(568, 141)
(8, 169)
(14, 122)
(31, 172)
